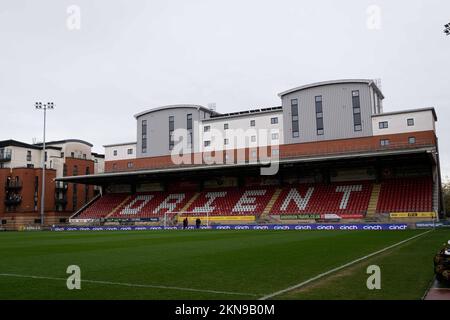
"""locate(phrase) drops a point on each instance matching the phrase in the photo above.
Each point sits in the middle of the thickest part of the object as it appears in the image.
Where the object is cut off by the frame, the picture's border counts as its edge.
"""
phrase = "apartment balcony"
(61, 186)
(5, 156)
(13, 201)
(61, 201)
(13, 185)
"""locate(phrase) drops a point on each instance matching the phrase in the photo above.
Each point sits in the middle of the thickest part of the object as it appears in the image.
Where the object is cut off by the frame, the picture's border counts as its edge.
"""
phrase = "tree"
(446, 195)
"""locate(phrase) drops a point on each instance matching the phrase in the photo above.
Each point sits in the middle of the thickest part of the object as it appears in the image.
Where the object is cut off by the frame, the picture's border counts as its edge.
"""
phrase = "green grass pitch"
(207, 264)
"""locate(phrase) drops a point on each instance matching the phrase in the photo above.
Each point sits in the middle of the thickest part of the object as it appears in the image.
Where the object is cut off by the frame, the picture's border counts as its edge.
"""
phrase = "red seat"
(406, 195)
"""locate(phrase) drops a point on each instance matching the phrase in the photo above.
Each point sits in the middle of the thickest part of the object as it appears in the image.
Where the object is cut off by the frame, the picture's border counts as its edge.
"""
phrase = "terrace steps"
(373, 202)
(187, 205)
(271, 202)
(118, 207)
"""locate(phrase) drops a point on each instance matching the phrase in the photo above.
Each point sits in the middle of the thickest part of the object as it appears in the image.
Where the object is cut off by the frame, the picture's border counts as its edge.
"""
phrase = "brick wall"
(81, 165)
(329, 147)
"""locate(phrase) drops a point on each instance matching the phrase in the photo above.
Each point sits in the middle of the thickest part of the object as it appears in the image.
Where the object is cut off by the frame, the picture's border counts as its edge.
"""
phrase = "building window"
(130, 165)
(410, 122)
(189, 139)
(28, 155)
(45, 156)
(64, 170)
(29, 165)
(189, 129)
(252, 123)
(72, 154)
(62, 154)
(144, 136)
(171, 130)
(225, 141)
(207, 143)
(75, 171)
(412, 140)
(189, 121)
(274, 120)
(114, 166)
(115, 153)
(383, 125)
(356, 111)
(384, 142)
(275, 152)
(225, 126)
(206, 128)
(274, 136)
(130, 151)
(319, 115)
(294, 113)
(253, 138)
(253, 153)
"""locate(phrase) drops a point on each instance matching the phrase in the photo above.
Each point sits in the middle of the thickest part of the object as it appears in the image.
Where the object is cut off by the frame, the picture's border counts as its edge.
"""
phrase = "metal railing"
(13, 184)
(5, 155)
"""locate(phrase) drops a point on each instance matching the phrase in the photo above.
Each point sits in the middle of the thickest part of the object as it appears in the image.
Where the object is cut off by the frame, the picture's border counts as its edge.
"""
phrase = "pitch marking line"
(129, 284)
(271, 295)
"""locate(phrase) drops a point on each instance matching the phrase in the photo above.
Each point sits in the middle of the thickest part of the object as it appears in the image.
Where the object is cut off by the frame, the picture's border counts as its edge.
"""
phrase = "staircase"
(118, 207)
(187, 205)
(270, 204)
(373, 202)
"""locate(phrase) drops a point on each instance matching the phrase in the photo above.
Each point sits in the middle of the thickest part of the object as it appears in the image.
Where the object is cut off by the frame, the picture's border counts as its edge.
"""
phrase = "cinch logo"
(223, 227)
(242, 228)
(401, 227)
(348, 227)
(376, 227)
(281, 228)
(302, 228)
(325, 227)
(261, 228)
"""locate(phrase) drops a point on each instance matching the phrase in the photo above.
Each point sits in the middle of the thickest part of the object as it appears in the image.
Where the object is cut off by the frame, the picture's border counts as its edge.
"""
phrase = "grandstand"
(338, 157)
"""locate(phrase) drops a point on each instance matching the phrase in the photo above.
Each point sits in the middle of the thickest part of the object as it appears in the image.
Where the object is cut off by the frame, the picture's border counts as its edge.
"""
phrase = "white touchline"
(128, 284)
(271, 295)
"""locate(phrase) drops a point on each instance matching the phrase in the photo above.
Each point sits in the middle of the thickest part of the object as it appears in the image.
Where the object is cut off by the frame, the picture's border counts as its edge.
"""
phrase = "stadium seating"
(152, 204)
(103, 206)
(231, 201)
(347, 198)
(406, 195)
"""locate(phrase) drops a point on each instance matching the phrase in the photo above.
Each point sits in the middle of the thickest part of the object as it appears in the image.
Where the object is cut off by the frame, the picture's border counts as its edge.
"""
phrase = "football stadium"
(283, 202)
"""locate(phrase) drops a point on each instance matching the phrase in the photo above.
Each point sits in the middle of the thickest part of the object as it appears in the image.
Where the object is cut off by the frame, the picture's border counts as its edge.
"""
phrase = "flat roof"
(244, 113)
(175, 106)
(407, 111)
(331, 82)
(119, 144)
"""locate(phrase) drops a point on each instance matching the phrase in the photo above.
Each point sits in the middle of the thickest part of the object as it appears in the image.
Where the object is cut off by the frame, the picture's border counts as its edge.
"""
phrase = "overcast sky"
(128, 56)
